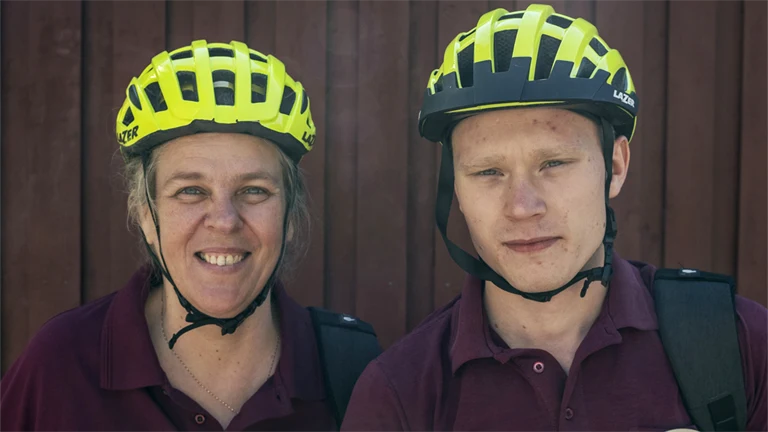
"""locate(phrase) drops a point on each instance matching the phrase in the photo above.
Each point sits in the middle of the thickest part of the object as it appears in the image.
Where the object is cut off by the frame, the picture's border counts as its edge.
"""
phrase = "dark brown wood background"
(696, 195)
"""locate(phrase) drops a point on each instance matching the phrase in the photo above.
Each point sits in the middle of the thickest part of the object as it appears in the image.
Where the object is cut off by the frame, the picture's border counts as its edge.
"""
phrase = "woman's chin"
(218, 303)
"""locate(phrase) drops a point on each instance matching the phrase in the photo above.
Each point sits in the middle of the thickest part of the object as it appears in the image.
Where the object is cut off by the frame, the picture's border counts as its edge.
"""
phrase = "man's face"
(531, 185)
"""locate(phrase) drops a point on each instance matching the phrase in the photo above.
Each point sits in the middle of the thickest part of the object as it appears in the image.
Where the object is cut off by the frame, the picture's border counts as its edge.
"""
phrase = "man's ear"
(620, 165)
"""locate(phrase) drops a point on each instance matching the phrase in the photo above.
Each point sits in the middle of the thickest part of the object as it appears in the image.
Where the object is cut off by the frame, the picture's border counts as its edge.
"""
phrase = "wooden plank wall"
(696, 195)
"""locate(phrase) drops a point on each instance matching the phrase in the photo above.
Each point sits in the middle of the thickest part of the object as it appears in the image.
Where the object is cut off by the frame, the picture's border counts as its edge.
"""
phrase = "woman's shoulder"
(76, 326)
(70, 336)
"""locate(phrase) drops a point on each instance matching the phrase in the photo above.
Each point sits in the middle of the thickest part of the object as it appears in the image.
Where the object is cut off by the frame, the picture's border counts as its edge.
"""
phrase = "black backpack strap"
(697, 324)
(346, 345)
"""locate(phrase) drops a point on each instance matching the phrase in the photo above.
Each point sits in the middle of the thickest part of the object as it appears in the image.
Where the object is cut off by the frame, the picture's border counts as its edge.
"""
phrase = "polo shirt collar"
(129, 361)
(628, 304)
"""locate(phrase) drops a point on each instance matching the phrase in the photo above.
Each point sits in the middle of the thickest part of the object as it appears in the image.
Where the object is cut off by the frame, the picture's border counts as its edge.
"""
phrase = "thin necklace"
(229, 407)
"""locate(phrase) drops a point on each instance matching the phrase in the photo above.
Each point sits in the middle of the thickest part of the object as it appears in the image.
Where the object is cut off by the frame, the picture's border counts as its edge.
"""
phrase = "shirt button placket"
(568, 414)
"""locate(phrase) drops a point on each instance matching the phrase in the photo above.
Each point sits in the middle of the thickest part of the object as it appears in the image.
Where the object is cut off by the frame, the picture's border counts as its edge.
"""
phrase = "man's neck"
(558, 326)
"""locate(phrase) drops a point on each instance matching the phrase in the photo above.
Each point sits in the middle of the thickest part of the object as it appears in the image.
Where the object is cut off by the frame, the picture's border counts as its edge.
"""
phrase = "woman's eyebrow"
(195, 175)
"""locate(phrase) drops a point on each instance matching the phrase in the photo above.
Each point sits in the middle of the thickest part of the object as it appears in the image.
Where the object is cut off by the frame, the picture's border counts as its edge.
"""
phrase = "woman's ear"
(148, 226)
(289, 233)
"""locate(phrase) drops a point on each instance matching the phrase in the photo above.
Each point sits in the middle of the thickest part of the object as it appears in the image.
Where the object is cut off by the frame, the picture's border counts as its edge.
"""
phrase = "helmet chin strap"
(194, 315)
(481, 270)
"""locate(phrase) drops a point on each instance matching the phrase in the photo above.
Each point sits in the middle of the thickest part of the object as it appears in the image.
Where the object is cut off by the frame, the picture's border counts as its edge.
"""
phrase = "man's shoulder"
(421, 350)
(754, 320)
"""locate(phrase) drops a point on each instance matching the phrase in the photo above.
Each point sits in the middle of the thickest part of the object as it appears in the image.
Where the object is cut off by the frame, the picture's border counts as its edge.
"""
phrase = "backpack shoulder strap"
(346, 345)
(697, 323)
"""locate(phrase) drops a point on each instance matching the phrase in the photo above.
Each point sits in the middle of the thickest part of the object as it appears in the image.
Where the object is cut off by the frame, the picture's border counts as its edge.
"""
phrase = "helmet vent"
(548, 47)
(620, 79)
(182, 55)
(304, 102)
(560, 21)
(256, 57)
(439, 84)
(128, 118)
(224, 87)
(466, 35)
(258, 88)
(155, 96)
(598, 47)
(466, 68)
(289, 99)
(585, 68)
(503, 45)
(220, 52)
(512, 16)
(134, 96)
(188, 85)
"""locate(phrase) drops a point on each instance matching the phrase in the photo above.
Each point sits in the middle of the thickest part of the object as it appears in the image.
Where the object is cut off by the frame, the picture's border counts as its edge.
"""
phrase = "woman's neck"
(232, 367)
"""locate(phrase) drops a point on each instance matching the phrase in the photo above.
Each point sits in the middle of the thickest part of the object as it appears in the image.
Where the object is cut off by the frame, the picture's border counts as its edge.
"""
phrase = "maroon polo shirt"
(453, 372)
(94, 368)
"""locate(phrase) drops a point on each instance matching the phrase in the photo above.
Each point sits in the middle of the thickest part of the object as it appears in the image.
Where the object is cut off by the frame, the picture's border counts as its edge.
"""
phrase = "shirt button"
(199, 419)
(568, 413)
(538, 367)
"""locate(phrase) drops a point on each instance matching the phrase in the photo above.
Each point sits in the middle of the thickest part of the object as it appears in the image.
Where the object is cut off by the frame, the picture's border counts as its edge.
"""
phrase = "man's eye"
(488, 172)
(553, 164)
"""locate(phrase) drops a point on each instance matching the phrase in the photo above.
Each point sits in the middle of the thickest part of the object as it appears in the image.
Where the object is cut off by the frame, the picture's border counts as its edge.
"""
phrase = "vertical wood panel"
(382, 179)
(628, 38)
(299, 41)
(454, 17)
(651, 133)
(341, 157)
(40, 167)
(727, 99)
(573, 8)
(509, 5)
(117, 45)
(690, 135)
(423, 59)
(214, 21)
(260, 26)
(754, 156)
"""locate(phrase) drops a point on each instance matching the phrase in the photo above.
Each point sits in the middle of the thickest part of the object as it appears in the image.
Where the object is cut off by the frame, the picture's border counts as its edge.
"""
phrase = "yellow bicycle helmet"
(215, 87)
(529, 58)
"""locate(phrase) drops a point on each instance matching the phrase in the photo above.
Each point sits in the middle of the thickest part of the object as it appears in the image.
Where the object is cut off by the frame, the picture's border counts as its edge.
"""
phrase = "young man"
(552, 330)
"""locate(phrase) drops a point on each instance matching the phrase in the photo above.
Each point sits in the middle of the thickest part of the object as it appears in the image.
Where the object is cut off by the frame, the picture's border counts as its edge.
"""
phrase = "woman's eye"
(190, 191)
(255, 191)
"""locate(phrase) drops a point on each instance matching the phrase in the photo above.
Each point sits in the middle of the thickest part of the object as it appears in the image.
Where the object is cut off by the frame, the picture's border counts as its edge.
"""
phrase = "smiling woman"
(212, 135)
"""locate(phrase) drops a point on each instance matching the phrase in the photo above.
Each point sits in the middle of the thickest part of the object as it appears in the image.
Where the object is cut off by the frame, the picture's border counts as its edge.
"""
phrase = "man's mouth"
(531, 245)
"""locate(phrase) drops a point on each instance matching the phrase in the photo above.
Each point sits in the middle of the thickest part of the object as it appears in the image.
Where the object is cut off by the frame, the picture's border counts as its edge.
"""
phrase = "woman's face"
(220, 205)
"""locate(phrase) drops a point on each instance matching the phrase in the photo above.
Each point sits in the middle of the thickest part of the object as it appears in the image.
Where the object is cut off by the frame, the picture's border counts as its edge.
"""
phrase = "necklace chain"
(228, 406)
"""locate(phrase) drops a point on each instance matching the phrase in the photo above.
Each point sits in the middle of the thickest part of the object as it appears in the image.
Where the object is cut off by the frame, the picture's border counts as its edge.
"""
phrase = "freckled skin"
(531, 173)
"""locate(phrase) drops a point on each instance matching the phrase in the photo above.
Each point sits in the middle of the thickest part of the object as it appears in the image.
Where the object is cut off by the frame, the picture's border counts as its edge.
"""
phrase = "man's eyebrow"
(482, 161)
(555, 152)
